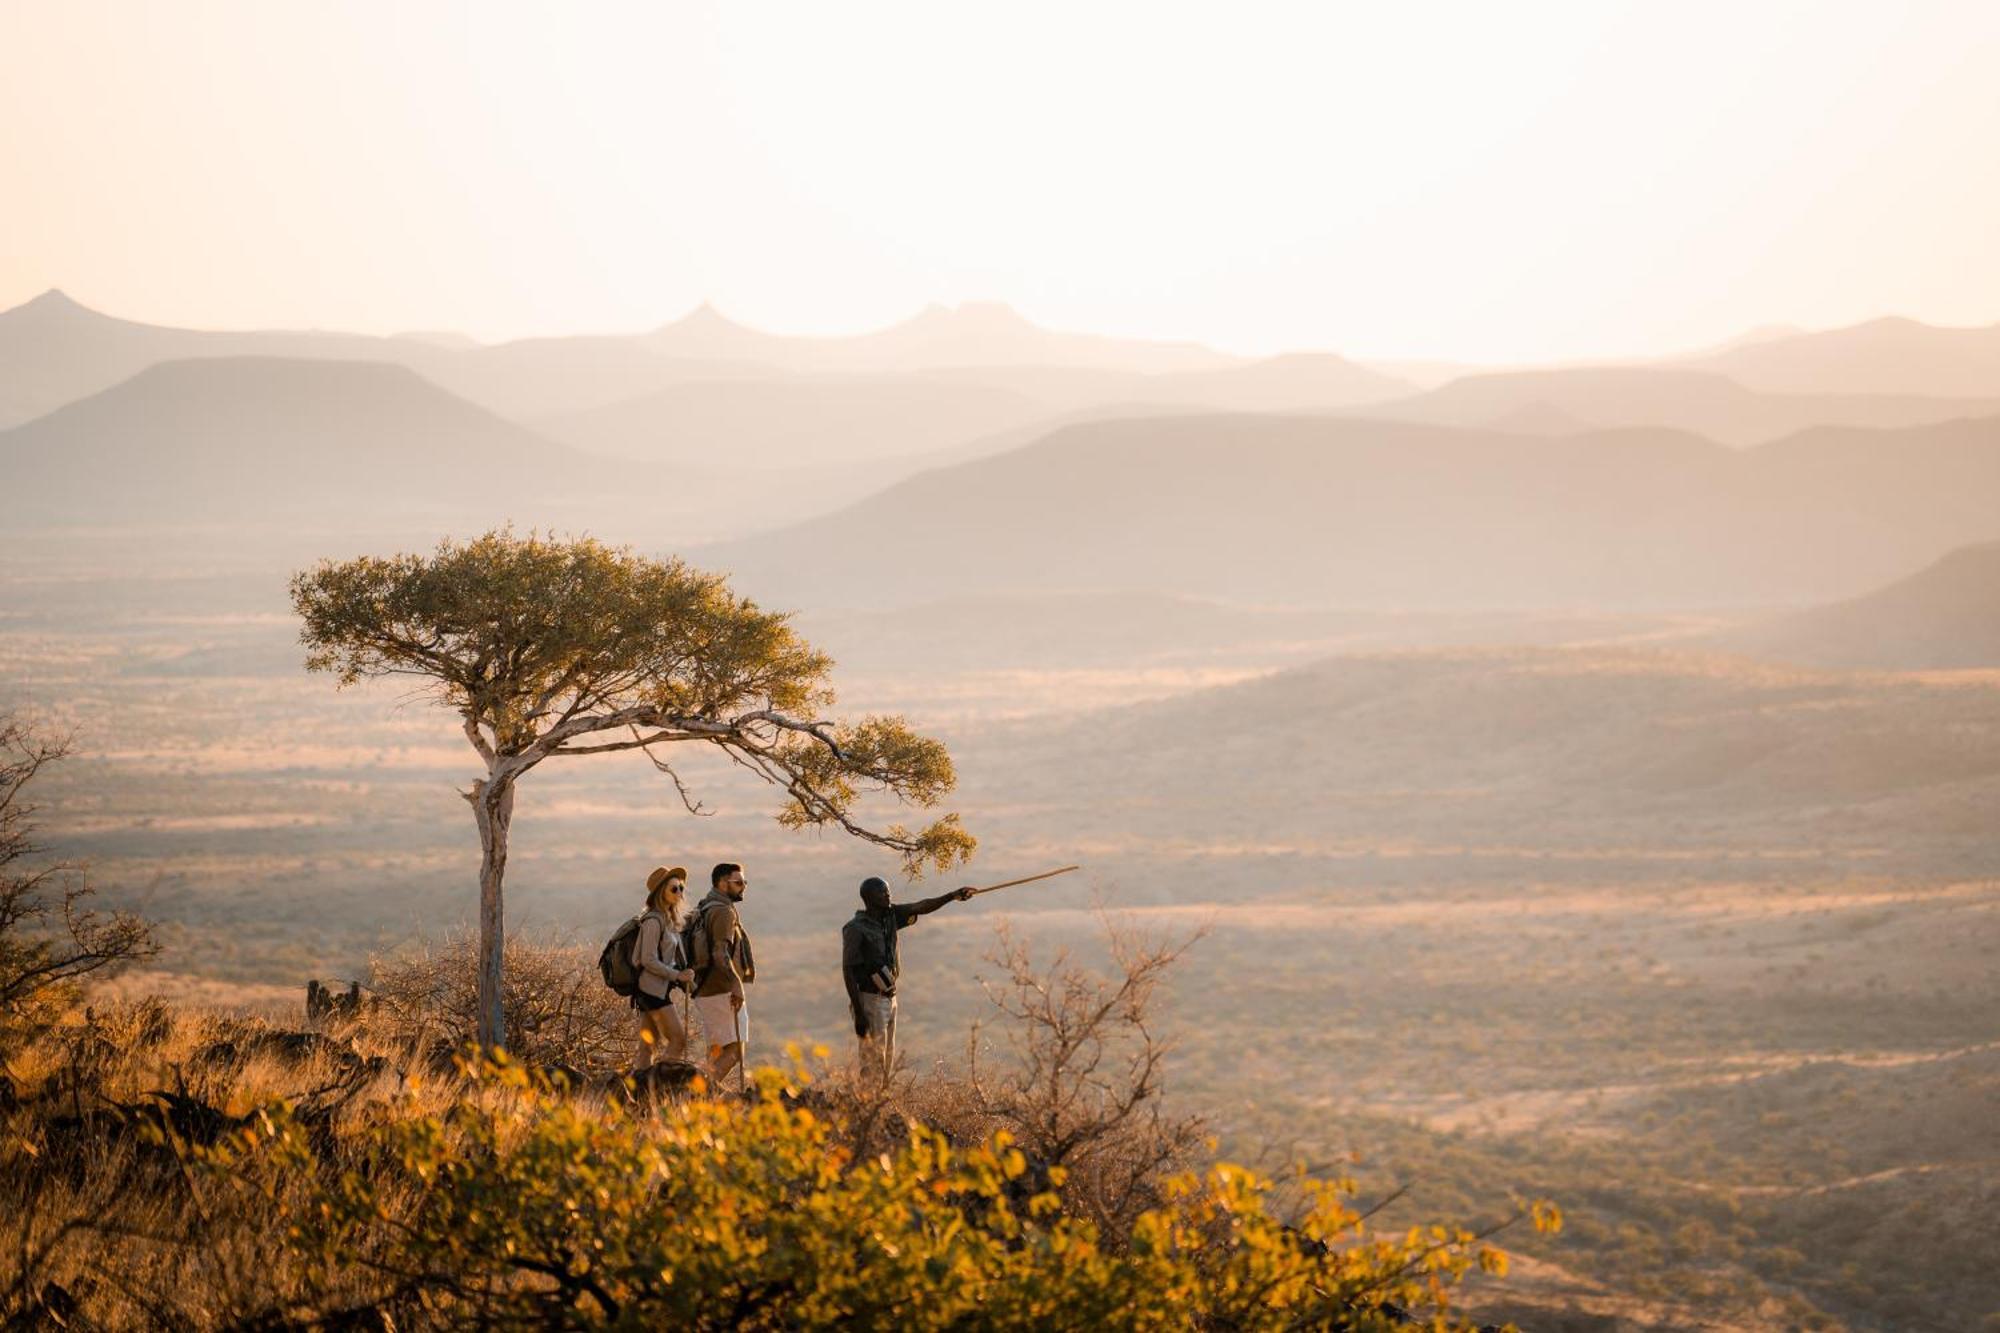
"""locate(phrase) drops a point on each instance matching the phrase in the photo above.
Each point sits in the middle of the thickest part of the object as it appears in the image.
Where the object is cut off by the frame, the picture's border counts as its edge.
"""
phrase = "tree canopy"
(549, 648)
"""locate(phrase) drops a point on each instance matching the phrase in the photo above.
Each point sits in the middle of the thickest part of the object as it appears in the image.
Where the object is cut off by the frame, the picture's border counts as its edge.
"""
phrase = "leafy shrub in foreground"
(519, 1206)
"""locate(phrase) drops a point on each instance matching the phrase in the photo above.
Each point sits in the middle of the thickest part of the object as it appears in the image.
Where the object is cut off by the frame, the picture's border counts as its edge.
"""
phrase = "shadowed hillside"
(1945, 616)
(55, 351)
(1328, 512)
(265, 440)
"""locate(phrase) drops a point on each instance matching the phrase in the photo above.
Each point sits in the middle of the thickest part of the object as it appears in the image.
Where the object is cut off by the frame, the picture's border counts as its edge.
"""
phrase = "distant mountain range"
(977, 333)
(707, 390)
(54, 351)
(968, 452)
(1946, 615)
(1333, 512)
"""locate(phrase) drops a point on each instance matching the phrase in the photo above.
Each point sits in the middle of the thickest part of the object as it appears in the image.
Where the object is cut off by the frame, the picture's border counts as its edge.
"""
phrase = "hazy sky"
(1482, 180)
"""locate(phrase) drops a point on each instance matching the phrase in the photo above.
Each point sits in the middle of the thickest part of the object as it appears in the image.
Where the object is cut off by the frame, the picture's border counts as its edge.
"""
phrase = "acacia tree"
(551, 648)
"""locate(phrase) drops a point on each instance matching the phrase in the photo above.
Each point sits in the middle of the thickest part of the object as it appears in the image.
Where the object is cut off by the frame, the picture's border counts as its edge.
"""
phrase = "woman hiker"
(657, 956)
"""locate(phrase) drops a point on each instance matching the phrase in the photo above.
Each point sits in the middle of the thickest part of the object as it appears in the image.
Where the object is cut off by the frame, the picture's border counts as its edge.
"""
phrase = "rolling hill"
(1294, 382)
(1362, 514)
(1702, 402)
(759, 421)
(765, 423)
(262, 441)
(1942, 617)
(1882, 356)
(54, 351)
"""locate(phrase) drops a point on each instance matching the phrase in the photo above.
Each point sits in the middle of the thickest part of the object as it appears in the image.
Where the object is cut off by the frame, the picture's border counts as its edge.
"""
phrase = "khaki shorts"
(719, 1025)
(878, 1048)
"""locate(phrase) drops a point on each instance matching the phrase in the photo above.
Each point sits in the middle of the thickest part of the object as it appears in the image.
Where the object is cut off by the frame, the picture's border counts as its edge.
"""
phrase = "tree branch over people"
(551, 649)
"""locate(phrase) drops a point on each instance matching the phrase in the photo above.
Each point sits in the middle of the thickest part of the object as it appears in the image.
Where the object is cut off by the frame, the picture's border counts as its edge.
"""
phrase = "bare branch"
(478, 738)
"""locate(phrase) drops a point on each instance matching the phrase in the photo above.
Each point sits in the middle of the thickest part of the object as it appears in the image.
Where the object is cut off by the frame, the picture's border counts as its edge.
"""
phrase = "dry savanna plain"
(1576, 783)
(1698, 945)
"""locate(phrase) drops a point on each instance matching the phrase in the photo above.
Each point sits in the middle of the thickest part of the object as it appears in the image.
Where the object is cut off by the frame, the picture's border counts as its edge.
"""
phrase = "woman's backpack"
(620, 972)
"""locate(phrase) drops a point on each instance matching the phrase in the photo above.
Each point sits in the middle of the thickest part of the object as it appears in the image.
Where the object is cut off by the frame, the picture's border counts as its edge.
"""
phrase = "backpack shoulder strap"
(638, 928)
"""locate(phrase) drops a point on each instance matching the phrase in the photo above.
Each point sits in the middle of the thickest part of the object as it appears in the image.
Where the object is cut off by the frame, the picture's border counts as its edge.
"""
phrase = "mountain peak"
(55, 303)
(1891, 324)
(980, 315)
(704, 318)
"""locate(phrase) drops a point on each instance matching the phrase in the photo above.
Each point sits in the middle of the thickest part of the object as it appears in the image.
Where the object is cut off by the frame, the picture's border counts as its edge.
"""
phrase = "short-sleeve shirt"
(868, 946)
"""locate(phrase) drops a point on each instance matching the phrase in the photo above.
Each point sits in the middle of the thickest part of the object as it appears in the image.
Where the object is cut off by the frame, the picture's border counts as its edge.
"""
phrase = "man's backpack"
(620, 972)
(695, 954)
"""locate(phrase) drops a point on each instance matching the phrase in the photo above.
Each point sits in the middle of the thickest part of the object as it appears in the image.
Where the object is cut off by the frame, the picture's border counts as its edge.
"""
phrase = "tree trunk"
(493, 809)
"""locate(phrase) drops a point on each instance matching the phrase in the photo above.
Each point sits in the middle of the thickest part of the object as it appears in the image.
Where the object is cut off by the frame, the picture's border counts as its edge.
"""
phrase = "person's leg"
(674, 1034)
(712, 1032)
(643, 1059)
(665, 1025)
(726, 1028)
(878, 1047)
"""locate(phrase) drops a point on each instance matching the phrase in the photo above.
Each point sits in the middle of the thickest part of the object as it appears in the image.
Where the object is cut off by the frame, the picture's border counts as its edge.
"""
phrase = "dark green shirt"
(868, 948)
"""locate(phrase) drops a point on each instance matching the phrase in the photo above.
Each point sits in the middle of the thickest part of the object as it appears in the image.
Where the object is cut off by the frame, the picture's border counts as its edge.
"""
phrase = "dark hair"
(723, 870)
(874, 882)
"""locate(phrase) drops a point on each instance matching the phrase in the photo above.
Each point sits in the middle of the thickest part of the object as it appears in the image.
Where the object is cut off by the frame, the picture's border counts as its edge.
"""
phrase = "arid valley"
(1683, 916)
(922, 667)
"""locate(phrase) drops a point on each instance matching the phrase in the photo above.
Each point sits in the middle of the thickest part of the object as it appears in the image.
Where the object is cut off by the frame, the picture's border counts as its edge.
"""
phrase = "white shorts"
(718, 1022)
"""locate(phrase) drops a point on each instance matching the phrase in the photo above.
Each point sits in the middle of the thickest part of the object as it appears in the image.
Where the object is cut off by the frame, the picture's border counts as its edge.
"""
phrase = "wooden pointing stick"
(1046, 874)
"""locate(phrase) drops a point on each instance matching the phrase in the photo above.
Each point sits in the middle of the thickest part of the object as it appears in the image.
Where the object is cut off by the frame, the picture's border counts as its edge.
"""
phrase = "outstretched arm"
(925, 906)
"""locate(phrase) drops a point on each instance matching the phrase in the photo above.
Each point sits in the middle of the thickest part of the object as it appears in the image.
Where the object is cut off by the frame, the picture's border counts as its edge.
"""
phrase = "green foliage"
(501, 621)
(549, 648)
(520, 1206)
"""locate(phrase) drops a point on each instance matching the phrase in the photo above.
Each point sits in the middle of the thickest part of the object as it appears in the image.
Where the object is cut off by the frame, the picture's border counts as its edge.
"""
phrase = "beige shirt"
(657, 954)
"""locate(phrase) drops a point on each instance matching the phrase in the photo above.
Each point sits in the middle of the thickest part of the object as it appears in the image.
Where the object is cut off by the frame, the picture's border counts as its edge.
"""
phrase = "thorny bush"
(559, 1013)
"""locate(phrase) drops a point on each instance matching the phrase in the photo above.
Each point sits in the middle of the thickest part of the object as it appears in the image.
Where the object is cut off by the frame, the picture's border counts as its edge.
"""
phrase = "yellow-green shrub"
(520, 1205)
